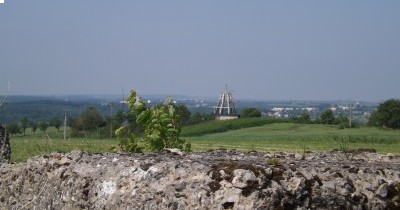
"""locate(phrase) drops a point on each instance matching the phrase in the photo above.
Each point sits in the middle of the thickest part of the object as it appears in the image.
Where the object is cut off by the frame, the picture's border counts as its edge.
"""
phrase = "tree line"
(91, 122)
(386, 115)
(20, 127)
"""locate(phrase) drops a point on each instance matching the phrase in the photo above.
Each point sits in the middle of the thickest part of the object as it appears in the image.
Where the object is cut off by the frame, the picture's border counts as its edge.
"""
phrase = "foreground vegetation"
(268, 137)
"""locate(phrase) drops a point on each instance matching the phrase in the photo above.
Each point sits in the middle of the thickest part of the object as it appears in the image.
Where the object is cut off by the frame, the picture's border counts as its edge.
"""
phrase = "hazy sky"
(294, 50)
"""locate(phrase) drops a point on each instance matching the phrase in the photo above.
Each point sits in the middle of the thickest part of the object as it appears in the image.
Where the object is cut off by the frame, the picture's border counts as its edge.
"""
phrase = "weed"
(273, 161)
(343, 143)
(129, 145)
(304, 151)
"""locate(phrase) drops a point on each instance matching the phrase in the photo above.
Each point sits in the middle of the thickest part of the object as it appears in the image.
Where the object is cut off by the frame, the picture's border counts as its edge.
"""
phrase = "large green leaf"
(143, 117)
(139, 106)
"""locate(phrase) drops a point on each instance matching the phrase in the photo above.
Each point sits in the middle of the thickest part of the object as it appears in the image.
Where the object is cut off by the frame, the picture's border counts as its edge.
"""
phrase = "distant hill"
(40, 108)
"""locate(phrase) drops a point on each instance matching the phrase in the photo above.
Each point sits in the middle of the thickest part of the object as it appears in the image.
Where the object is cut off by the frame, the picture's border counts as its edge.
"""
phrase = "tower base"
(226, 117)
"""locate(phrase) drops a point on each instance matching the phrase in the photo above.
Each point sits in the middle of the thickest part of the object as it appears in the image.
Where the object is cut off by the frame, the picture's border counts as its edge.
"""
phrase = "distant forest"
(44, 108)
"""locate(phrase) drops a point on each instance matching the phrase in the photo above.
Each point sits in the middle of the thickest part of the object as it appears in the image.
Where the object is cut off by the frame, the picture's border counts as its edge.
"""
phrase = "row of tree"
(91, 121)
(326, 117)
(387, 115)
(20, 127)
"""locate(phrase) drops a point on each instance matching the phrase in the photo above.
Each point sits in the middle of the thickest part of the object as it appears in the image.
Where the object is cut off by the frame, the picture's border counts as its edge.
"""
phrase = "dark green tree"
(342, 121)
(198, 117)
(72, 122)
(55, 122)
(13, 128)
(43, 126)
(34, 126)
(250, 112)
(303, 118)
(24, 124)
(120, 117)
(327, 117)
(195, 118)
(387, 114)
(90, 120)
(184, 114)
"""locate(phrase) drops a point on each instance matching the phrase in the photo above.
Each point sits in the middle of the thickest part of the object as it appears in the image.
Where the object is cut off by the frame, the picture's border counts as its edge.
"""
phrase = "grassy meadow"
(244, 135)
(23, 147)
(300, 137)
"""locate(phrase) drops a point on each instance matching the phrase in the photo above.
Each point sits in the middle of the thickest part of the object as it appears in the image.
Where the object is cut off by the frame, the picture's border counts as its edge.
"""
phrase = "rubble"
(5, 147)
(217, 179)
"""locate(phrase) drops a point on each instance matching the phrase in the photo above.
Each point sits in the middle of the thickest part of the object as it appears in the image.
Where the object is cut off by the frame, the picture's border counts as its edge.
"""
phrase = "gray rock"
(294, 184)
(205, 180)
(180, 186)
(243, 178)
(5, 146)
(382, 190)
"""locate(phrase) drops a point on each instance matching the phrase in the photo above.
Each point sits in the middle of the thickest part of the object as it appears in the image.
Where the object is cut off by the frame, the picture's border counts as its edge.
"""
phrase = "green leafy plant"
(273, 161)
(160, 124)
(130, 145)
(128, 142)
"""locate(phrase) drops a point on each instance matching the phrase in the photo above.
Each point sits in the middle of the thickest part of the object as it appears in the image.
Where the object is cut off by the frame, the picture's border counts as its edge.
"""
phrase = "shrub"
(250, 112)
(387, 114)
(160, 124)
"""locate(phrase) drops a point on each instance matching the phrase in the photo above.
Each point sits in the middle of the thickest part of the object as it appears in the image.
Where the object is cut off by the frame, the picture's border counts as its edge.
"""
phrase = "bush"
(250, 112)
(13, 128)
(387, 114)
(160, 124)
(303, 118)
(327, 117)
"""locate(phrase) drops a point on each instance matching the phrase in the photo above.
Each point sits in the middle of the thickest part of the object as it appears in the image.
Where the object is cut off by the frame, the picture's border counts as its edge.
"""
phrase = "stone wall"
(5, 148)
(210, 180)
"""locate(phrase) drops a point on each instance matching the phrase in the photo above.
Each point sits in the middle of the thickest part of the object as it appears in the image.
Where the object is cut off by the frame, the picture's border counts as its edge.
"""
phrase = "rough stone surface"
(5, 148)
(211, 180)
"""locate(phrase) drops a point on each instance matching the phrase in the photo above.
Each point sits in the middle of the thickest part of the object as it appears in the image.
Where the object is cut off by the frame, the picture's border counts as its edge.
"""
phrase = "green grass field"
(23, 147)
(216, 126)
(300, 137)
(269, 137)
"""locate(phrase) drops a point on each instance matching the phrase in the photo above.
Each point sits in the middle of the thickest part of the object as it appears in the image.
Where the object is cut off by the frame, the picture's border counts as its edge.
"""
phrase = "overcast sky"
(267, 50)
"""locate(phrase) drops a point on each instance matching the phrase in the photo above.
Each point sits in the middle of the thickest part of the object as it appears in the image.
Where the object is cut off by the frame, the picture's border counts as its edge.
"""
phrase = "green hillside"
(300, 137)
(216, 126)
